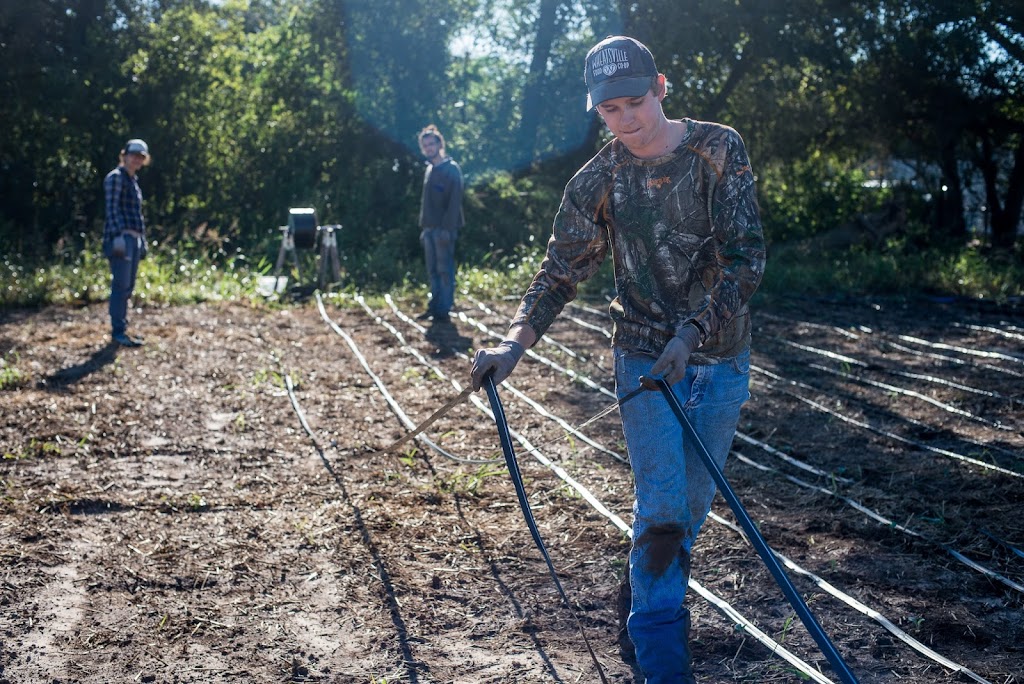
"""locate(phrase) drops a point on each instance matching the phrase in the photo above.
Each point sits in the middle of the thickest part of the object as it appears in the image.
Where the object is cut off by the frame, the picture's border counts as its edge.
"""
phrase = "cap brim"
(636, 86)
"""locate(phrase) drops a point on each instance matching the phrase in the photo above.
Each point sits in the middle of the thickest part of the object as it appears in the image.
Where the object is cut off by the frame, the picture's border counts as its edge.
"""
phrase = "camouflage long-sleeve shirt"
(685, 237)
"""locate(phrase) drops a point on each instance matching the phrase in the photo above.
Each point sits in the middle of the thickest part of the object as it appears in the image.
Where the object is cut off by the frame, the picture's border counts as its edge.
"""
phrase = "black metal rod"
(763, 550)
(505, 437)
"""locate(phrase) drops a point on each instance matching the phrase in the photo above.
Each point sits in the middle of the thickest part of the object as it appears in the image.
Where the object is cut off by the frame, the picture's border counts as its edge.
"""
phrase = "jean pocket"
(741, 362)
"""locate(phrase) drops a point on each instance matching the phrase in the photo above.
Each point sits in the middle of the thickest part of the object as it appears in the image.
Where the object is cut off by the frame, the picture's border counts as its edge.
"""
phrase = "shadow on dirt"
(447, 339)
(72, 374)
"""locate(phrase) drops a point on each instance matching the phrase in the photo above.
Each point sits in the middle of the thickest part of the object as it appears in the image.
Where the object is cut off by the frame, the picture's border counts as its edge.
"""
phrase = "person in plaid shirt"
(674, 203)
(124, 235)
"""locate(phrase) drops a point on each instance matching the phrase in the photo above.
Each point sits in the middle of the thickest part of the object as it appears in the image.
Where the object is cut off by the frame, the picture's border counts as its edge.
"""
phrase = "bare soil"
(165, 516)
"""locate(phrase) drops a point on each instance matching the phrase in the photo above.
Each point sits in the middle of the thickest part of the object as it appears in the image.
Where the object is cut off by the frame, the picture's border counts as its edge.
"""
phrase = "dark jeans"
(439, 251)
(122, 281)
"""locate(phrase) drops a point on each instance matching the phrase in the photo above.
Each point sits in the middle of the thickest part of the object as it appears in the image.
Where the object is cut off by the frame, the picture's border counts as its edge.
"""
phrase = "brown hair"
(431, 130)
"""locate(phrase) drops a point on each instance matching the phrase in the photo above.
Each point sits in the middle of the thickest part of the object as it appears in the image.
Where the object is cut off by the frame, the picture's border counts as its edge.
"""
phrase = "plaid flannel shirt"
(123, 204)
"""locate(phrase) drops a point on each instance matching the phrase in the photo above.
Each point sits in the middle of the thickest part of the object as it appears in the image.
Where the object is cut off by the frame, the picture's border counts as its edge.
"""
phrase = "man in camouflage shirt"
(674, 203)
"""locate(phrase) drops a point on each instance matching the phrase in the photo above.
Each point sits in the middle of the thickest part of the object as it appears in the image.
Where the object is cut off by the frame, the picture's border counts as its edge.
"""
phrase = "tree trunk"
(949, 218)
(1006, 218)
(533, 90)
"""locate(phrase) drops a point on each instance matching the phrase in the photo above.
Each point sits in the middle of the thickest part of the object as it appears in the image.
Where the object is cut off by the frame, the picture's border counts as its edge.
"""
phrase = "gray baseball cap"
(618, 66)
(136, 146)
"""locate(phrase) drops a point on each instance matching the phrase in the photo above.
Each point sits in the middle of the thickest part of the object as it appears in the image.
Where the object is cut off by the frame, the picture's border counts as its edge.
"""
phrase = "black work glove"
(501, 359)
(673, 360)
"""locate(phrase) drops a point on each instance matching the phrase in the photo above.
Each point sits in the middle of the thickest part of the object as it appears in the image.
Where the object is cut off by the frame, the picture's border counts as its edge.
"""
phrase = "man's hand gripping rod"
(755, 537)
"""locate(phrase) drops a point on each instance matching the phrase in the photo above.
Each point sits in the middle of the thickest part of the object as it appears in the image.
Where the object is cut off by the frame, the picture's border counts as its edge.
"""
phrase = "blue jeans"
(673, 492)
(122, 281)
(439, 250)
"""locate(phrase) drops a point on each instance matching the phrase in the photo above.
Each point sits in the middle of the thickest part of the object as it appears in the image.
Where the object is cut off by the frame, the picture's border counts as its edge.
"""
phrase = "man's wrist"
(517, 348)
(691, 335)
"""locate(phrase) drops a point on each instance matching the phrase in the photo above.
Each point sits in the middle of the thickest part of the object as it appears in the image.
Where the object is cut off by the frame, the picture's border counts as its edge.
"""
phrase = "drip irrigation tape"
(891, 524)
(395, 407)
(758, 542)
(886, 433)
(524, 504)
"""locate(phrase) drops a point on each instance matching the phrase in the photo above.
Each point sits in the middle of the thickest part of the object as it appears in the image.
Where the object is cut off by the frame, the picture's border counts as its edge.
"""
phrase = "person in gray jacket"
(440, 220)
(124, 235)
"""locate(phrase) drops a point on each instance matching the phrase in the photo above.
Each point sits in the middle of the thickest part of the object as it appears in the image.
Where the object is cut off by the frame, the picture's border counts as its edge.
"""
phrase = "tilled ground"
(165, 516)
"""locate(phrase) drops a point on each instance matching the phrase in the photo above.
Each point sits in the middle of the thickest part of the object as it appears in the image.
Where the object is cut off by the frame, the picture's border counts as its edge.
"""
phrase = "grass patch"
(167, 276)
(11, 376)
(184, 275)
(968, 272)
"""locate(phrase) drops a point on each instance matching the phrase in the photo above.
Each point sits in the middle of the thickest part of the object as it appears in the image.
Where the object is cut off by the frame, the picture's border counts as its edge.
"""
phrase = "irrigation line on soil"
(961, 350)
(565, 425)
(382, 573)
(854, 336)
(807, 324)
(862, 608)
(989, 329)
(796, 463)
(911, 393)
(914, 352)
(877, 517)
(820, 352)
(407, 348)
(395, 407)
(1010, 547)
(955, 385)
(926, 378)
(950, 359)
(872, 428)
(984, 447)
(738, 620)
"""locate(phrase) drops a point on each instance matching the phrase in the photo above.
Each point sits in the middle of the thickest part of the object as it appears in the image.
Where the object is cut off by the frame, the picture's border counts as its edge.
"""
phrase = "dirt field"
(165, 516)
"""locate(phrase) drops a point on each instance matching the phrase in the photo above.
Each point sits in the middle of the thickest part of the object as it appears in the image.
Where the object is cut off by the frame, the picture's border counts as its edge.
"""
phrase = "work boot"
(125, 341)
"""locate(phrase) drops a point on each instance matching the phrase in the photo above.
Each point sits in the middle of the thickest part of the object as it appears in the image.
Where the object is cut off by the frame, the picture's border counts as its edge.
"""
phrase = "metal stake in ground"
(517, 481)
(763, 550)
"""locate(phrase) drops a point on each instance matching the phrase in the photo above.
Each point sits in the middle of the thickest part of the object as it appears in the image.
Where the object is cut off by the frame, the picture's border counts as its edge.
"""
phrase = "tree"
(942, 79)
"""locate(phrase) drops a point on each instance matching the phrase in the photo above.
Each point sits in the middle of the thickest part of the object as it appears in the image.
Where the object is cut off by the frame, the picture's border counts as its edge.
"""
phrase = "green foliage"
(184, 273)
(252, 107)
(11, 376)
(901, 267)
(805, 197)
